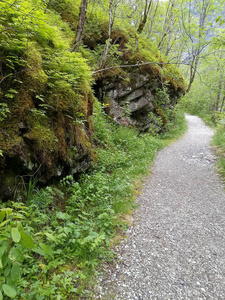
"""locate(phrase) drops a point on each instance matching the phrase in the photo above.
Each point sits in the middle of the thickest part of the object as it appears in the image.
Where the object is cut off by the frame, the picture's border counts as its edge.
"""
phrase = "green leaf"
(26, 240)
(4, 223)
(218, 18)
(16, 236)
(47, 249)
(9, 281)
(7, 210)
(15, 272)
(5, 259)
(2, 215)
(17, 254)
(50, 236)
(39, 251)
(20, 227)
(3, 238)
(2, 250)
(9, 290)
(7, 270)
(1, 296)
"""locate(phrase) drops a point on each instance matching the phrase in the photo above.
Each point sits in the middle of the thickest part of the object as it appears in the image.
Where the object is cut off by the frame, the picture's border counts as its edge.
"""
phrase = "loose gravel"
(176, 247)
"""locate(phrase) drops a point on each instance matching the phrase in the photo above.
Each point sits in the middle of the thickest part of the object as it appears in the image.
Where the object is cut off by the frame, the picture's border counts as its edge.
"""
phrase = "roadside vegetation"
(219, 146)
(53, 239)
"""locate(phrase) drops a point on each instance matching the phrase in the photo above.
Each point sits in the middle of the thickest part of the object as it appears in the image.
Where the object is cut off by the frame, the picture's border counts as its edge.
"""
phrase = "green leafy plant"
(4, 111)
(14, 240)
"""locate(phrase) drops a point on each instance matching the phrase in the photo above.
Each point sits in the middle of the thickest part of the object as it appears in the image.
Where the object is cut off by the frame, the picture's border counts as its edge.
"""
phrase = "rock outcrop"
(142, 89)
(47, 131)
(143, 100)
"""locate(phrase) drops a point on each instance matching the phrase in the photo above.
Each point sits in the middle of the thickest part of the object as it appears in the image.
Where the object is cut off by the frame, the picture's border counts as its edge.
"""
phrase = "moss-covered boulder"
(46, 131)
(142, 90)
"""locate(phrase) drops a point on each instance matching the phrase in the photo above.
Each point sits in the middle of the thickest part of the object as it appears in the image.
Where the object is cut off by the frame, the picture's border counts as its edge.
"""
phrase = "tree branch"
(139, 65)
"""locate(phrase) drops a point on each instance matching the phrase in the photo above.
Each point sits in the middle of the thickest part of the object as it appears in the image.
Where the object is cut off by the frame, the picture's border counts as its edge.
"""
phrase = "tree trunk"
(198, 43)
(144, 20)
(223, 100)
(167, 23)
(153, 18)
(222, 104)
(81, 23)
(106, 48)
(218, 94)
(193, 70)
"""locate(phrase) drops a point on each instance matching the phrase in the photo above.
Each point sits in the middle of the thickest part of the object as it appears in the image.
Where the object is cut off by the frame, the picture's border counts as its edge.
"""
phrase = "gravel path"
(176, 247)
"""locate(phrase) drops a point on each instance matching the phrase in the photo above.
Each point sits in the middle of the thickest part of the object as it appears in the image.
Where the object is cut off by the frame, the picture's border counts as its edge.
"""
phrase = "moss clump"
(63, 98)
(34, 76)
(96, 32)
(68, 10)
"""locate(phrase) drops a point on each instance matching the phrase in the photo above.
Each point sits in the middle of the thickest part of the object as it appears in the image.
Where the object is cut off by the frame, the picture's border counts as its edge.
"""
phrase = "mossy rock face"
(143, 93)
(47, 132)
(144, 101)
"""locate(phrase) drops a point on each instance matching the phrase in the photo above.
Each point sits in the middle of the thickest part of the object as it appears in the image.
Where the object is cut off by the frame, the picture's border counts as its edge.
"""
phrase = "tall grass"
(219, 148)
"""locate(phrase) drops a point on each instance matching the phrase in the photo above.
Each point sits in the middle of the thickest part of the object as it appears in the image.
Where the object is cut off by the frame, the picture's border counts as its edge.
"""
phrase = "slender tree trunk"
(218, 95)
(81, 23)
(106, 48)
(222, 104)
(223, 100)
(205, 5)
(167, 23)
(193, 70)
(145, 17)
(153, 18)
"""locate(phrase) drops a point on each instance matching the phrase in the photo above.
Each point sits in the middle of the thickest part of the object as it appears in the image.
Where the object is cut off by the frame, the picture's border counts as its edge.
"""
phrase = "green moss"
(173, 76)
(160, 112)
(96, 31)
(34, 76)
(63, 98)
(68, 10)
(84, 142)
(11, 144)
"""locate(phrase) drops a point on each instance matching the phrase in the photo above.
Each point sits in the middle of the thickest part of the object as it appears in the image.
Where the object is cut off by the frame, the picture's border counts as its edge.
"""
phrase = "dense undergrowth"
(52, 239)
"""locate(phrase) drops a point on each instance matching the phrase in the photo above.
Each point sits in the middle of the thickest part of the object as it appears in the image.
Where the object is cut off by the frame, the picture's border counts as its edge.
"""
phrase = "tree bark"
(153, 18)
(223, 100)
(199, 46)
(81, 23)
(193, 70)
(106, 48)
(145, 17)
(167, 23)
(218, 94)
(222, 104)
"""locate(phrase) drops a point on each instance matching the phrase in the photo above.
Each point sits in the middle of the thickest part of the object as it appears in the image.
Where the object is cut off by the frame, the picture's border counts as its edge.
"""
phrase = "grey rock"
(134, 102)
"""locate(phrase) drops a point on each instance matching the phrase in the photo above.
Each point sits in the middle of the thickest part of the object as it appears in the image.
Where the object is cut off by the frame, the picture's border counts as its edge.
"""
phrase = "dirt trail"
(176, 247)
